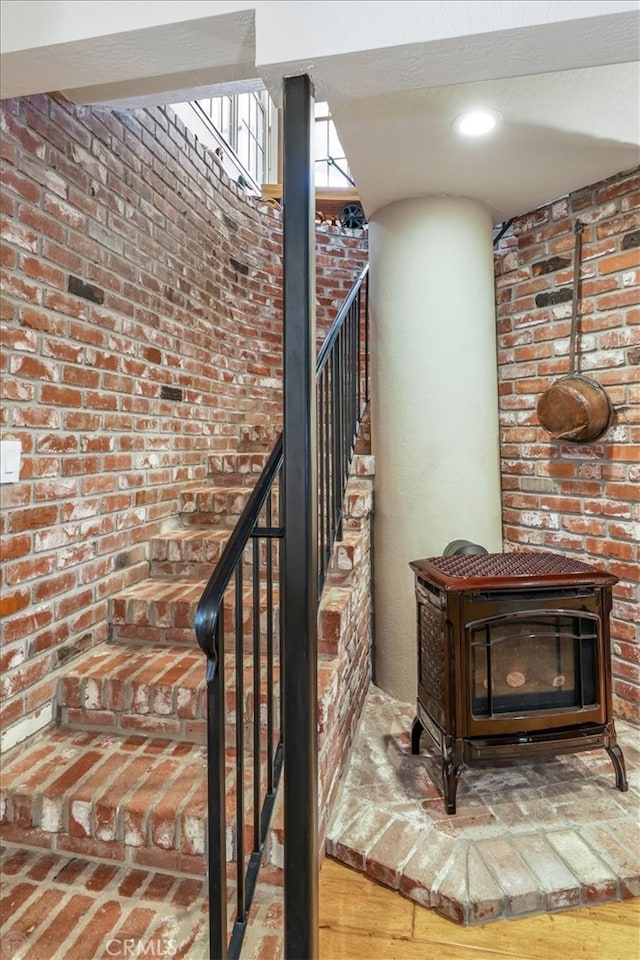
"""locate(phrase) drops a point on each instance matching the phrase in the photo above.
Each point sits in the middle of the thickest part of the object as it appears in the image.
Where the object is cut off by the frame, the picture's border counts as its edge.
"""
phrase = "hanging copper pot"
(575, 408)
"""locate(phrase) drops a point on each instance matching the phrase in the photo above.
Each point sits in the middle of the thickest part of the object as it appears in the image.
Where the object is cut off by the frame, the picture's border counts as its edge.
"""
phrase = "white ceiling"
(561, 131)
(564, 73)
(566, 78)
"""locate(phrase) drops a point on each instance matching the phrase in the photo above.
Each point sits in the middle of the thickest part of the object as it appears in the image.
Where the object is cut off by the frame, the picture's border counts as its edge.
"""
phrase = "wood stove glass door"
(534, 664)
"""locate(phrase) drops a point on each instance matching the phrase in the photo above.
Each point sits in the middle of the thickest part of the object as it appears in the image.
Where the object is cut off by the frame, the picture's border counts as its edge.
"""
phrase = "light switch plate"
(10, 455)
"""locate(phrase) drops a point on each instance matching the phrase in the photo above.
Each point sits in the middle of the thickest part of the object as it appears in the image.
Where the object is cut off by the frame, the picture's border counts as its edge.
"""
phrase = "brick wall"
(573, 498)
(141, 331)
(340, 256)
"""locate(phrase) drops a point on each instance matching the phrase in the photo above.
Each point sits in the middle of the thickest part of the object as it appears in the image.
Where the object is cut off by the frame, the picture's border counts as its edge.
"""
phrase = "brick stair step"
(155, 691)
(209, 505)
(162, 610)
(347, 554)
(74, 907)
(190, 552)
(247, 612)
(259, 438)
(236, 468)
(134, 799)
(334, 613)
(358, 501)
(127, 688)
(156, 610)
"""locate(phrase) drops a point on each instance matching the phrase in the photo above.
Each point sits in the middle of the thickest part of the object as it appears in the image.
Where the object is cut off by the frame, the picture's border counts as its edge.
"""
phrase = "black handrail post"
(337, 384)
(300, 525)
(216, 819)
(209, 624)
(366, 340)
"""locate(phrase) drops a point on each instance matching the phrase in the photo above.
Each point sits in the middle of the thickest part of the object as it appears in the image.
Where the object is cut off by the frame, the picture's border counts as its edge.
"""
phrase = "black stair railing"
(342, 375)
(242, 598)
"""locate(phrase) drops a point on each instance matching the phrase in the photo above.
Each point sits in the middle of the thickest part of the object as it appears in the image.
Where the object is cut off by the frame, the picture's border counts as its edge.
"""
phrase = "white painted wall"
(435, 408)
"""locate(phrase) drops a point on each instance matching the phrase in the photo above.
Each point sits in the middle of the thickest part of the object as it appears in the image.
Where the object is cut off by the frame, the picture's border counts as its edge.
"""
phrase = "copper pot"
(576, 407)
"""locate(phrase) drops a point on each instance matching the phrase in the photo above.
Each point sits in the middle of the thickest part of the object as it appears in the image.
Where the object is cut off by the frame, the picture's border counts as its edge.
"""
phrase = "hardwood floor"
(362, 919)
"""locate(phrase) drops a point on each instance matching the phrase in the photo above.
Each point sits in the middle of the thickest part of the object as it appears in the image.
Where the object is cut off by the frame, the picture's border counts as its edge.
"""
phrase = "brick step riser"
(195, 559)
(121, 834)
(116, 853)
(144, 637)
(181, 570)
(213, 521)
(174, 713)
(222, 507)
(190, 569)
(239, 470)
(120, 852)
(152, 627)
(154, 636)
(180, 549)
(133, 682)
(115, 723)
(158, 818)
(235, 461)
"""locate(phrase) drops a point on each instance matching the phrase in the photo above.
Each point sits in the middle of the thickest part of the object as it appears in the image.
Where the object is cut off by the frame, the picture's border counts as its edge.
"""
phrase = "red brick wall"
(575, 498)
(340, 256)
(141, 330)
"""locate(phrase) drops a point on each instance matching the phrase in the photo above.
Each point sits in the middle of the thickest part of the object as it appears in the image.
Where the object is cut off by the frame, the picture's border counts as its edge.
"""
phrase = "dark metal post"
(300, 524)
(216, 813)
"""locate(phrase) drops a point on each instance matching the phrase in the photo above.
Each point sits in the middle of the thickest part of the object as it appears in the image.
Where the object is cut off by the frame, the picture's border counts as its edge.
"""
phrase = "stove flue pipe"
(459, 548)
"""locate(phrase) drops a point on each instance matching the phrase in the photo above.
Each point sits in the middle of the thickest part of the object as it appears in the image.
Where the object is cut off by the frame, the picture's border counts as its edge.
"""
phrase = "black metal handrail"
(342, 373)
(342, 377)
(210, 602)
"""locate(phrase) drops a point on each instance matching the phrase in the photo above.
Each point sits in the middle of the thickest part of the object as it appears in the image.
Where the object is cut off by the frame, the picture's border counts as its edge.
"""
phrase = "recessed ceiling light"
(477, 123)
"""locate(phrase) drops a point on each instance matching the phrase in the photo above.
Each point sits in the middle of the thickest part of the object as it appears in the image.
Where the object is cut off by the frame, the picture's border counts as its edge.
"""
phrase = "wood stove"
(513, 660)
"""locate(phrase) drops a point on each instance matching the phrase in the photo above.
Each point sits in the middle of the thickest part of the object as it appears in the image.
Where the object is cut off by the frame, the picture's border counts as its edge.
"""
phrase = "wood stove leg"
(451, 766)
(617, 760)
(450, 774)
(416, 732)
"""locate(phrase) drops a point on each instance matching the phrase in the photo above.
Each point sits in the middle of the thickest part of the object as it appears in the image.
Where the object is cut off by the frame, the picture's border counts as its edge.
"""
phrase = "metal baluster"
(328, 518)
(269, 652)
(281, 592)
(322, 466)
(239, 652)
(257, 765)
(354, 376)
(337, 437)
(359, 353)
(366, 340)
(216, 800)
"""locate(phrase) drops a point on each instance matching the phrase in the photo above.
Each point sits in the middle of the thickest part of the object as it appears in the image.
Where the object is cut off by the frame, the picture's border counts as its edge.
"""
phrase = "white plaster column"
(435, 405)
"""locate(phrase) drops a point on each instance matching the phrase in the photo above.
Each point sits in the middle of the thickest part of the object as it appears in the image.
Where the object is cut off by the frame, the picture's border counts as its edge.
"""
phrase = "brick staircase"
(121, 780)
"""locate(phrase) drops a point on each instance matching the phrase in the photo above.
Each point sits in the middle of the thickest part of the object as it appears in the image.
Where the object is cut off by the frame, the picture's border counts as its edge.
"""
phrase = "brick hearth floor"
(528, 838)
(73, 908)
